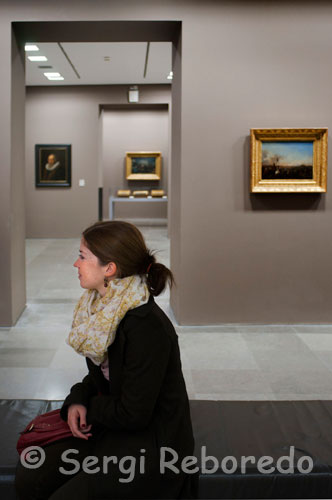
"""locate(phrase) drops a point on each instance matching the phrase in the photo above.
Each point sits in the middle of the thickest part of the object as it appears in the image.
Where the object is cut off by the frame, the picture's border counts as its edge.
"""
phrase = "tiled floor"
(227, 362)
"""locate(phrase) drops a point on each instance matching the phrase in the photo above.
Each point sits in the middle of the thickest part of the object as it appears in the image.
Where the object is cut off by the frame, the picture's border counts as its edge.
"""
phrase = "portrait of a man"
(53, 165)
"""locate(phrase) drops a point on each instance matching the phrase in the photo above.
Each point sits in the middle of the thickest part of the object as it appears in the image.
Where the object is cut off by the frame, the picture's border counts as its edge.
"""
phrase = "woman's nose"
(76, 263)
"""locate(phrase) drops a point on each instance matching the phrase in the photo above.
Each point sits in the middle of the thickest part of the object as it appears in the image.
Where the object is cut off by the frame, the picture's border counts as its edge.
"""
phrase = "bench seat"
(225, 428)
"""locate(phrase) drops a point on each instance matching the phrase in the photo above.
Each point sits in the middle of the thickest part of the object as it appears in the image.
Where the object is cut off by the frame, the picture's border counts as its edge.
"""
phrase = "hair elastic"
(148, 269)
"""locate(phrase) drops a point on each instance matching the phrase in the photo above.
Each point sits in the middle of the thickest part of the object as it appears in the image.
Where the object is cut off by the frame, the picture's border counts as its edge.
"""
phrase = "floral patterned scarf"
(96, 318)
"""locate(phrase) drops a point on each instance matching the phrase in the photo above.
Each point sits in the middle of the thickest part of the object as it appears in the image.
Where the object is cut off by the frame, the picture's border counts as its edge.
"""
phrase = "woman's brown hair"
(122, 243)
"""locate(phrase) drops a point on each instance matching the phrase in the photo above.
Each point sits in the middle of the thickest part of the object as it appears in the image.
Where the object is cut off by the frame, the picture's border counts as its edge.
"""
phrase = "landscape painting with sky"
(287, 160)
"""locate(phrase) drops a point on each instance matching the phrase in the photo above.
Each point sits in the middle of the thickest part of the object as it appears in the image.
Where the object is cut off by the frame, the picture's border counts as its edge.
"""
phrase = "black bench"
(226, 428)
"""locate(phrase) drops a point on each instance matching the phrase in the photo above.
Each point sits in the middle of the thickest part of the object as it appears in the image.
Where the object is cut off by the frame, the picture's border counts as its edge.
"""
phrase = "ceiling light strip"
(29, 47)
(68, 59)
(146, 59)
(37, 58)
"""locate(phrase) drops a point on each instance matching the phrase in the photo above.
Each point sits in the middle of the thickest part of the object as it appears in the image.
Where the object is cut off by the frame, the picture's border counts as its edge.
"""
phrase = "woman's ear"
(111, 270)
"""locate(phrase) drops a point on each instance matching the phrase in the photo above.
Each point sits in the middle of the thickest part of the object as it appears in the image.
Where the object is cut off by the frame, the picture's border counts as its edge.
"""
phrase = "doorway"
(76, 31)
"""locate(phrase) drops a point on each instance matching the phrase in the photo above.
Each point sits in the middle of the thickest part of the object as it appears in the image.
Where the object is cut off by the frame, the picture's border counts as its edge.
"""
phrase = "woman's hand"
(77, 421)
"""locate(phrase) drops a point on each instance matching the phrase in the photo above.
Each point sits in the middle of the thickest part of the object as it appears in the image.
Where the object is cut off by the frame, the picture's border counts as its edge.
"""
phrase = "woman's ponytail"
(157, 276)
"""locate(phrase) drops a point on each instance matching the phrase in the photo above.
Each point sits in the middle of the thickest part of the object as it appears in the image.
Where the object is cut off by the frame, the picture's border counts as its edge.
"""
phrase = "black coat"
(144, 406)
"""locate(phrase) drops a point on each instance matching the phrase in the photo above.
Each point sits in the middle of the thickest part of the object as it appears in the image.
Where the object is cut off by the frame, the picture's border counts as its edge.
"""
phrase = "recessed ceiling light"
(37, 58)
(107, 58)
(31, 48)
(53, 76)
(170, 76)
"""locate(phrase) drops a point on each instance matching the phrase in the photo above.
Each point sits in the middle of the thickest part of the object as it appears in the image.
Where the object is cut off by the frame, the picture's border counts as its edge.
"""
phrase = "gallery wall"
(238, 258)
(134, 129)
(252, 258)
(71, 115)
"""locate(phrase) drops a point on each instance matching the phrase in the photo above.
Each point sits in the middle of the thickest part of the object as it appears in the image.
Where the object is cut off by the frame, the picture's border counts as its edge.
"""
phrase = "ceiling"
(101, 63)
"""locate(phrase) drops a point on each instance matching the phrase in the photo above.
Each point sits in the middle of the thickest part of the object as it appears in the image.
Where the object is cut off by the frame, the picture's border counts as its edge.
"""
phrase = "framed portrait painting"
(289, 160)
(53, 165)
(145, 166)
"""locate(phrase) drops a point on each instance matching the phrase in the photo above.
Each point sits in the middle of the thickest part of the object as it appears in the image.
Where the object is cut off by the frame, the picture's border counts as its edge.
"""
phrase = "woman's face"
(91, 274)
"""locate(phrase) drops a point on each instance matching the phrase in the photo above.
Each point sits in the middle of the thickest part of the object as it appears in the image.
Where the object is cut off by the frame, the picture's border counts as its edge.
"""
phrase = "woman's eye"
(81, 257)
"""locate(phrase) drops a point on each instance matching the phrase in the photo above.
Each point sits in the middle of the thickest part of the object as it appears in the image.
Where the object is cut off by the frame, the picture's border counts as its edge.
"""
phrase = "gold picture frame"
(289, 160)
(143, 165)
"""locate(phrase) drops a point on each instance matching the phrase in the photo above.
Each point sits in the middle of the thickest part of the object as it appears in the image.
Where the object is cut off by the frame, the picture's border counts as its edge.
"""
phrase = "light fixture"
(170, 76)
(29, 47)
(107, 58)
(133, 94)
(37, 58)
(53, 76)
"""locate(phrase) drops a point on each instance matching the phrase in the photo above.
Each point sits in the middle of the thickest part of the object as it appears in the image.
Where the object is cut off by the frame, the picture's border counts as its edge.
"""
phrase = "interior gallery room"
(206, 125)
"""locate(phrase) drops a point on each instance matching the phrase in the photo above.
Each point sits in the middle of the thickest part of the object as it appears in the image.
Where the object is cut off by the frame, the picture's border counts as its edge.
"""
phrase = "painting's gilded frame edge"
(143, 177)
(318, 185)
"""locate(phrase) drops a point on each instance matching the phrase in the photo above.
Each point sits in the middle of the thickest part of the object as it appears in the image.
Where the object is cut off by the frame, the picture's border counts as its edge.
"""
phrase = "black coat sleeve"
(80, 393)
(146, 356)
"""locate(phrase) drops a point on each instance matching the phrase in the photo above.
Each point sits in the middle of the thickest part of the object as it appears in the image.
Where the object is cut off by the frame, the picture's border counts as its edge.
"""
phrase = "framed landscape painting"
(53, 165)
(145, 166)
(289, 160)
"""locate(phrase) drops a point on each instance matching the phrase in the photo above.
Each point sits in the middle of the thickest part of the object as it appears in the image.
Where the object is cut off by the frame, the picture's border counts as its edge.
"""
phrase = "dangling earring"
(105, 282)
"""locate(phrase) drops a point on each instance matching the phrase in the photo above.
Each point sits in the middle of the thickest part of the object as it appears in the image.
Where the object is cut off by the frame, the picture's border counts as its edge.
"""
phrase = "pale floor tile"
(217, 351)
(46, 315)
(185, 360)
(266, 329)
(234, 329)
(67, 358)
(4, 333)
(325, 357)
(32, 331)
(313, 328)
(317, 341)
(301, 382)
(267, 340)
(296, 396)
(278, 353)
(57, 382)
(230, 381)
(25, 358)
(231, 396)
(34, 338)
(72, 294)
(33, 248)
(187, 375)
(281, 360)
(20, 383)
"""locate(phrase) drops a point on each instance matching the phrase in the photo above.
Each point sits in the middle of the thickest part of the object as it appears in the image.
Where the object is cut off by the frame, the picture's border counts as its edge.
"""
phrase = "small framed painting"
(53, 165)
(289, 160)
(145, 166)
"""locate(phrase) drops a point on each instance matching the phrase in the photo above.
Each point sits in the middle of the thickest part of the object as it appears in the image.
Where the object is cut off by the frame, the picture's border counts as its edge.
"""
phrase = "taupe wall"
(238, 258)
(71, 115)
(12, 224)
(133, 130)
(17, 191)
(262, 258)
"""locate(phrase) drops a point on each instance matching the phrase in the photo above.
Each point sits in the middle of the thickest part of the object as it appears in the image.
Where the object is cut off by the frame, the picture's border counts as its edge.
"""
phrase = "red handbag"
(42, 430)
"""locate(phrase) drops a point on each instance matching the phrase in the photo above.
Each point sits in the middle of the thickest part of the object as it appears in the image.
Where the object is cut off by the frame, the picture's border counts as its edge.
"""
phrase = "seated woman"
(130, 416)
